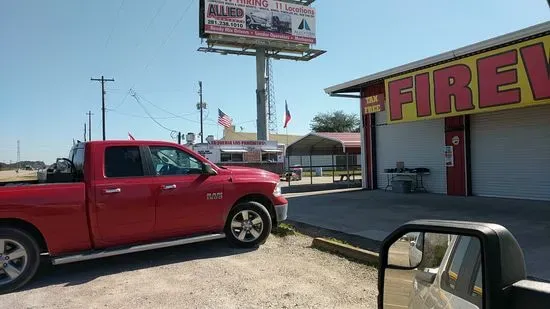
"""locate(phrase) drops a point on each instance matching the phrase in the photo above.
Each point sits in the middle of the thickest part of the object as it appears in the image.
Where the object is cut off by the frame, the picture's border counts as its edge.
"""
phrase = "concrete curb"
(350, 252)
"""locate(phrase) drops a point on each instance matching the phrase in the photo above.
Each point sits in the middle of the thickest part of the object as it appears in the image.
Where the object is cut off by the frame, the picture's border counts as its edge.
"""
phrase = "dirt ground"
(7, 176)
(283, 273)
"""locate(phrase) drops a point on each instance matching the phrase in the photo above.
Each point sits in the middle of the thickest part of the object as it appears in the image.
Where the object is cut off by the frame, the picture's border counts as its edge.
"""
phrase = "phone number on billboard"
(225, 23)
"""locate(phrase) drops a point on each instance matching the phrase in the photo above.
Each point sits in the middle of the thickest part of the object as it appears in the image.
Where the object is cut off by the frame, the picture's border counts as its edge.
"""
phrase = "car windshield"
(188, 121)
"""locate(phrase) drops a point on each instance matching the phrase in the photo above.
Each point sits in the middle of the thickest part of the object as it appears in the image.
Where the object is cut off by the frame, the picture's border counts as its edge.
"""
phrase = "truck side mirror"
(209, 170)
(452, 264)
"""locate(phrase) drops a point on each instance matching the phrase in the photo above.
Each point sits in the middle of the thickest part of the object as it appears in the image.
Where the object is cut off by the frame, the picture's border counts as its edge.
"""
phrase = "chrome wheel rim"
(247, 225)
(13, 260)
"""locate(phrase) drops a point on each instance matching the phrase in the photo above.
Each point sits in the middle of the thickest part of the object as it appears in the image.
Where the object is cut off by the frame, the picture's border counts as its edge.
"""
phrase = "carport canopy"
(325, 143)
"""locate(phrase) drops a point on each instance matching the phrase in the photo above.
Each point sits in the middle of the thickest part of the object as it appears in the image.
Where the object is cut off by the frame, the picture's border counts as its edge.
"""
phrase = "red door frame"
(457, 174)
(369, 130)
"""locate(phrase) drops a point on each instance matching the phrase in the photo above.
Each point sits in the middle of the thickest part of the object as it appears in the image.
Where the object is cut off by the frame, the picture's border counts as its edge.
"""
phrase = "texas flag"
(287, 115)
(130, 137)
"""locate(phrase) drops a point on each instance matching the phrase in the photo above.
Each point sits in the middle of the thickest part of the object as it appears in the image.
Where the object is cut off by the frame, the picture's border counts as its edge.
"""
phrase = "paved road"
(283, 273)
(375, 214)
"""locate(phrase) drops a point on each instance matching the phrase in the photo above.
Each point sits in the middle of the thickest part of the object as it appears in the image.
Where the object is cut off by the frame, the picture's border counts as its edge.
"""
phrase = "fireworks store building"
(473, 121)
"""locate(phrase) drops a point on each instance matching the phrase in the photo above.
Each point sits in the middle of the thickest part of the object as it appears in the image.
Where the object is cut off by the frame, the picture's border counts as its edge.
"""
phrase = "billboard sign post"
(265, 29)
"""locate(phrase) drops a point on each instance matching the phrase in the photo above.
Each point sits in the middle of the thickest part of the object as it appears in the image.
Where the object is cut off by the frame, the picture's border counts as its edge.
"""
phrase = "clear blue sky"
(51, 49)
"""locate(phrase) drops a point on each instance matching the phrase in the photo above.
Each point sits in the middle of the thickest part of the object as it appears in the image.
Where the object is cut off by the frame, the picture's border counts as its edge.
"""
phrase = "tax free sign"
(510, 77)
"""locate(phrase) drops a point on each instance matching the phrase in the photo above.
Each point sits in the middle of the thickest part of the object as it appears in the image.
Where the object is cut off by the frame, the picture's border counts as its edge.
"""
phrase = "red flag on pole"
(130, 137)
(287, 115)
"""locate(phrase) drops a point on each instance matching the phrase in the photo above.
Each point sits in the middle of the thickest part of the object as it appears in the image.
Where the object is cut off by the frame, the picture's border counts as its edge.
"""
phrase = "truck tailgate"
(58, 211)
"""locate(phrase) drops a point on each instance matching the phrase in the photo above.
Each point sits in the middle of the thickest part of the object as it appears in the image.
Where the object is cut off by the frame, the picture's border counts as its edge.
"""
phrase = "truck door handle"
(112, 191)
(168, 187)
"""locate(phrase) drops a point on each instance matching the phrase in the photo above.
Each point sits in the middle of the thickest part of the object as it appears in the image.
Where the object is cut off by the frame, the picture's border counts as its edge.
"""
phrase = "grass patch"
(284, 230)
(351, 259)
(340, 242)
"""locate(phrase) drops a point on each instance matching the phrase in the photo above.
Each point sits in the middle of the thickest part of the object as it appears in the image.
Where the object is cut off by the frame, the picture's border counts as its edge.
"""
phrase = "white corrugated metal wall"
(417, 144)
(511, 153)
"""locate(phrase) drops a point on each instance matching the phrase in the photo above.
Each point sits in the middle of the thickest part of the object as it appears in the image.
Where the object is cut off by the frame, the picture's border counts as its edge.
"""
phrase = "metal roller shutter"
(417, 144)
(511, 153)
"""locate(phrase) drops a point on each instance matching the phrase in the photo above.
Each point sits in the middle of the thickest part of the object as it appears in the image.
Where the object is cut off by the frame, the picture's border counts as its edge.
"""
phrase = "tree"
(337, 121)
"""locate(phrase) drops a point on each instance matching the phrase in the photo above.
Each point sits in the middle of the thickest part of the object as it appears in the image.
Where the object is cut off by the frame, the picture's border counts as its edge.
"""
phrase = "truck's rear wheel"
(19, 259)
(248, 225)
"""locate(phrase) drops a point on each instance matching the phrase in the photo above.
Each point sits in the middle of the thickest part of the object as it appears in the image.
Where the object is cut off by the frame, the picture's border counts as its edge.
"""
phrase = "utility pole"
(201, 108)
(84, 131)
(103, 80)
(89, 113)
(18, 154)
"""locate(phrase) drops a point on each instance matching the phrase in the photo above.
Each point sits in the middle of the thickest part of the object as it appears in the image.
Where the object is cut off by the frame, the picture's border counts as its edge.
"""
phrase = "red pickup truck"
(128, 196)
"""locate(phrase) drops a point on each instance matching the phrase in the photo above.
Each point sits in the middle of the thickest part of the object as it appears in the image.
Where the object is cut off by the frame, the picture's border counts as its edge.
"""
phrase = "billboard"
(513, 76)
(260, 19)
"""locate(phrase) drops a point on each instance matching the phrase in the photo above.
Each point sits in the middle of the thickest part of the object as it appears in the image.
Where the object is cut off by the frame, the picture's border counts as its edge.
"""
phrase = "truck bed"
(57, 210)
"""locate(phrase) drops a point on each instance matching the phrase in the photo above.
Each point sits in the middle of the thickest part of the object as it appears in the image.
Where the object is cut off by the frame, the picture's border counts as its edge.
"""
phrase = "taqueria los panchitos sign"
(509, 77)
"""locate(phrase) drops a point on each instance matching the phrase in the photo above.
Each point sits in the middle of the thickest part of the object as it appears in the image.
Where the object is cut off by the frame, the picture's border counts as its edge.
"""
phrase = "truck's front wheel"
(248, 225)
(19, 259)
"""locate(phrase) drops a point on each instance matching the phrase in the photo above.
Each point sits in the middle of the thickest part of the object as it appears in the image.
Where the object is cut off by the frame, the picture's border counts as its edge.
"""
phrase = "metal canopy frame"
(319, 144)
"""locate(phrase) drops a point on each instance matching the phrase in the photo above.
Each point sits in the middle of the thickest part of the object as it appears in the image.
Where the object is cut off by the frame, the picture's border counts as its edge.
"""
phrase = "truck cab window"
(453, 271)
(477, 286)
(174, 161)
(123, 161)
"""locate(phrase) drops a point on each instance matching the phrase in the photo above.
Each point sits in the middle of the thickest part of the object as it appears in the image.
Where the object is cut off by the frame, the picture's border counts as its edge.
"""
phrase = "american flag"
(223, 119)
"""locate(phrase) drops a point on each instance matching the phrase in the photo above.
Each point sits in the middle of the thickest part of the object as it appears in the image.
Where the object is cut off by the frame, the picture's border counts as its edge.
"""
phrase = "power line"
(182, 116)
(151, 21)
(114, 24)
(139, 116)
(180, 19)
(123, 100)
(135, 96)
(146, 67)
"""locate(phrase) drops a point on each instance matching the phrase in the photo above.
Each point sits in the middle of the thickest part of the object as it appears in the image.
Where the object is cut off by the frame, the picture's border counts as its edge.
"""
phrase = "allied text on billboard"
(261, 19)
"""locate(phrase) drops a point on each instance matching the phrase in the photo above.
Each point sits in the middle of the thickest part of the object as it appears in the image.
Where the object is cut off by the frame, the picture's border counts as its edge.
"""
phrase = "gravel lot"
(283, 273)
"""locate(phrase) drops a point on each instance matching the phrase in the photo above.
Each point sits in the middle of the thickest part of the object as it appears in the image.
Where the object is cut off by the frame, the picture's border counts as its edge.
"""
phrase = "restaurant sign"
(514, 76)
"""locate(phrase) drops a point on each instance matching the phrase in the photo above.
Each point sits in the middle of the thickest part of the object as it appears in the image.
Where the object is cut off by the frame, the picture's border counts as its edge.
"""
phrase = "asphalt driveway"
(375, 214)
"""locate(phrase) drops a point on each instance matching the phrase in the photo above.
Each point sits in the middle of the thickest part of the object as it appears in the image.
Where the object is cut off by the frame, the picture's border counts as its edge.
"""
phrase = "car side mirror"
(457, 265)
(209, 170)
